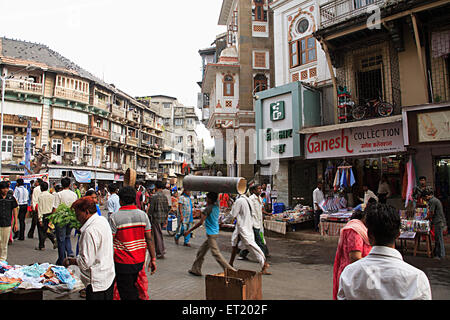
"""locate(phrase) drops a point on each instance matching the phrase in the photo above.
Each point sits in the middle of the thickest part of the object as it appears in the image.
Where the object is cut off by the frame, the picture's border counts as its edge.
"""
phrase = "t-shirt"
(113, 203)
(66, 197)
(212, 220)
(129, 226)
(7, 205)
(436, 206)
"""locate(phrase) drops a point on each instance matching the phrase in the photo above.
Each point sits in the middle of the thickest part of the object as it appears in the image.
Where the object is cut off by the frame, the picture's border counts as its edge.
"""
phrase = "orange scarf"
(359, 227)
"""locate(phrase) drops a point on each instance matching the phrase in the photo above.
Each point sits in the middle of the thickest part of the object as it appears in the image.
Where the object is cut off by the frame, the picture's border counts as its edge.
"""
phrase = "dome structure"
(229, 56)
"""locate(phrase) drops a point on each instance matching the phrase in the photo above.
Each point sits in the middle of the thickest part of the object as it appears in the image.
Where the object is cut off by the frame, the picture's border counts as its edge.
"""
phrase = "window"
(260, 82)
(166, 105)
(303, 25)
(32, 145)
(190, 121)
(7, 147)
(179, 140)
(98, 155)
(166, 122)
(178, 122)
(259, 13)
(105, 125)
(302, 51)
(228, 86)
(76, 148)
(57, 147)
(260, 60)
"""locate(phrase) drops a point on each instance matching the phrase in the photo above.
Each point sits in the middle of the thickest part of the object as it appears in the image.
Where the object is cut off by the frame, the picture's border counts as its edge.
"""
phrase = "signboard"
(277, 134)
(27, 179)
(386, 138)
(434, 126)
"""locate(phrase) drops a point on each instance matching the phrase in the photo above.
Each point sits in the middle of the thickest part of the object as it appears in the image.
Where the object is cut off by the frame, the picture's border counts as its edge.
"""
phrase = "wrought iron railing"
(334, 12)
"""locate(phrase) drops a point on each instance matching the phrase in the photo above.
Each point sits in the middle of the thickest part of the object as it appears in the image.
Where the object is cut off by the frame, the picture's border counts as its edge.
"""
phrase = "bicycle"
(373, 107)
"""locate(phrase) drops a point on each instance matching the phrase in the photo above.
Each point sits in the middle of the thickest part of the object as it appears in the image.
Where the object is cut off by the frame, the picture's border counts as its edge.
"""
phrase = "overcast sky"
(142, 47)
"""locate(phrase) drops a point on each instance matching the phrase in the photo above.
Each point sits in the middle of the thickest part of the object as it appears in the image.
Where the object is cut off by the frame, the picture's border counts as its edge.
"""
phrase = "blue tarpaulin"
(82, 176)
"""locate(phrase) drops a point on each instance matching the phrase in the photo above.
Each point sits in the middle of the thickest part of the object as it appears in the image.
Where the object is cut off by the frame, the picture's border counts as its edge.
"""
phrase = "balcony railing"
(23, 86)
(18, 121)
(118, 111)
(72, 95)
(133, 141)
(101, 104)
(117, 137)
(94, 131)
(338, 11)
(69, 126)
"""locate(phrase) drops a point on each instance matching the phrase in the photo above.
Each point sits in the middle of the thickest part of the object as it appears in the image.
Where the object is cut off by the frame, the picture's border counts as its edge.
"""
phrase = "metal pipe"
(215, 184)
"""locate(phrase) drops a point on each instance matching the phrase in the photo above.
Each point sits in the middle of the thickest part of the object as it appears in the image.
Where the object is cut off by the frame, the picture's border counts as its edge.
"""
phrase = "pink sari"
(353, 238)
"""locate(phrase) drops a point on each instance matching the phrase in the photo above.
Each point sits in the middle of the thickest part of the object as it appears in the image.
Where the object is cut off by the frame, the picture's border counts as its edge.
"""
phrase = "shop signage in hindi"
(434, 126)
(387, 138)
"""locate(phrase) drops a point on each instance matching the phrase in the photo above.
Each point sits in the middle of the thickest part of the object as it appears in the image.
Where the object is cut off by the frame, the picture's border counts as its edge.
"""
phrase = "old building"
(232, 78)
(85, 124)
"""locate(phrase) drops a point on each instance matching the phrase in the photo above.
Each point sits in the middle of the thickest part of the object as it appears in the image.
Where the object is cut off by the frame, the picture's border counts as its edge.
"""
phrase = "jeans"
(64, 244)
(439, 240)
(184, 227)
(317, 214)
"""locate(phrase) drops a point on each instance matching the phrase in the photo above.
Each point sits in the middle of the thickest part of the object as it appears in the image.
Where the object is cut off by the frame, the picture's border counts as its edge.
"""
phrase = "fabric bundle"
(344, 178)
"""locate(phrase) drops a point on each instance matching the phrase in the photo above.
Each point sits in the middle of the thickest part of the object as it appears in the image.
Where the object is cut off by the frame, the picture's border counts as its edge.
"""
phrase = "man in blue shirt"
(210, 217)
(113, 204)
(186, 218)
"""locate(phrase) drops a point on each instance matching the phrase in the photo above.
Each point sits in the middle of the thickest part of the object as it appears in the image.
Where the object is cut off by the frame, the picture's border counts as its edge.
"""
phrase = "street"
(302, 270)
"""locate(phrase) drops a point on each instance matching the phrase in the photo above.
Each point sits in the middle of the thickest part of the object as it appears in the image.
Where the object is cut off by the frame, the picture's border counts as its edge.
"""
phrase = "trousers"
(43, 234)
(22, 215)
(4, 238)
(34, 223)
(126, 285)
(210, 243)
(99, 295)
(183, 228)
(64, 243)
(439, 240)
(158, 239)
(259, 242)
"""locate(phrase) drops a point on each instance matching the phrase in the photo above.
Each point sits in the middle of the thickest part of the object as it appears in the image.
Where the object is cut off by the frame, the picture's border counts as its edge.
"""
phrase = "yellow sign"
(434, 126)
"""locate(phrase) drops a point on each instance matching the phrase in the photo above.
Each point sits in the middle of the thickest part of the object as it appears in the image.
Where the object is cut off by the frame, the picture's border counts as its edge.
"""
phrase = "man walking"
(186, 218)
(8, 210)
(243, 232)
(67, 197)
(258, 221)
(112, 204)
(45, 207)
(318, 197)
(34, 212)
(383, 275)
(21, 195)
(96, 258)
(132, 235)
(209, 217)
(437, 219)
(158, 213)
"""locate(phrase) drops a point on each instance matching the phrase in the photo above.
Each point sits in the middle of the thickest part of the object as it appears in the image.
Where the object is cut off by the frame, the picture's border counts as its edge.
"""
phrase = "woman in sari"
(353, 245)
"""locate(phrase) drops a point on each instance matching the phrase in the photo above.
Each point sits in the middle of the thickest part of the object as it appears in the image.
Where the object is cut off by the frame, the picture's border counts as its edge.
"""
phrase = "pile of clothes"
(36, 276)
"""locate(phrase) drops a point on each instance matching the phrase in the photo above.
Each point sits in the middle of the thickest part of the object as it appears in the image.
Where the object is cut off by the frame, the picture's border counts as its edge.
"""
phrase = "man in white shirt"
(318, 197)
(367, 195)
(96, 257)
(383, 275)
(243, 232)
(67, 197)
(44, 209)
(113, 203)
(258, 221)
(21, 194)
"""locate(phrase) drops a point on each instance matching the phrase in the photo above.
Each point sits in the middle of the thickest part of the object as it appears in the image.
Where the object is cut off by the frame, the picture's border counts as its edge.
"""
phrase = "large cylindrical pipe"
(215, 184)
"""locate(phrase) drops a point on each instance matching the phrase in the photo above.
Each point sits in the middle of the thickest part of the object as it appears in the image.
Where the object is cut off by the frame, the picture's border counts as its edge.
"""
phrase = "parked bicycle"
(372, 108)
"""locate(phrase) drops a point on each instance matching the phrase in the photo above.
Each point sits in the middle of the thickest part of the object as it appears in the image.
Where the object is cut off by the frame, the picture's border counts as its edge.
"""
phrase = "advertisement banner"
(434, 126)
(387, 138)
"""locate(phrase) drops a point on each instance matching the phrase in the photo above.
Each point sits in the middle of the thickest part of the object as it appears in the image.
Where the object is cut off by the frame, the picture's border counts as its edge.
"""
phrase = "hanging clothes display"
(344, 177)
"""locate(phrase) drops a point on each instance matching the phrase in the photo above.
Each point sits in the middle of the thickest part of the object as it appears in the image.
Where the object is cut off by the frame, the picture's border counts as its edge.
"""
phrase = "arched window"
(260, 82)
(228, 85)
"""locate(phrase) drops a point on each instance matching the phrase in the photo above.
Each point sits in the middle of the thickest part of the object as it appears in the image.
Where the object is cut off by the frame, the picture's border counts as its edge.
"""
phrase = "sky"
(142, 47)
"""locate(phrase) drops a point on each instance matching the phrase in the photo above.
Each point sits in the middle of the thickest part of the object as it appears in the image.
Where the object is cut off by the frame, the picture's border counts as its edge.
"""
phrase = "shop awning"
(363, 123)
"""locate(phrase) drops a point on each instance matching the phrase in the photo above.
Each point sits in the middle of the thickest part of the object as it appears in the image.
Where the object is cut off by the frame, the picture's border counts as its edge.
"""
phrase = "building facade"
(81, 123)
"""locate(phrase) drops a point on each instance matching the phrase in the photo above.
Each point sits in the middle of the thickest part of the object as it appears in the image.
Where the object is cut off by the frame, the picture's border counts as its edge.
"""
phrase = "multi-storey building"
(231, 79)
(181, 142)
(390, 56)
(85, 123)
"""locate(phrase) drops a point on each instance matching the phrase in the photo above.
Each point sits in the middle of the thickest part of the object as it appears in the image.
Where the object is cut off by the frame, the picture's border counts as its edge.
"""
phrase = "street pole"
(1, 125)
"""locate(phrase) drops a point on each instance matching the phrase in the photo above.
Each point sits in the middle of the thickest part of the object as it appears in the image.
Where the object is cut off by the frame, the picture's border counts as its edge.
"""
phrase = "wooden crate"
(236, 285)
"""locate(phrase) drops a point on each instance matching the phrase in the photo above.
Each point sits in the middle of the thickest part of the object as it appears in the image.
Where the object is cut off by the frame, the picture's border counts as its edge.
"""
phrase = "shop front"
(280, 113)
(349, 156)
(428, 137)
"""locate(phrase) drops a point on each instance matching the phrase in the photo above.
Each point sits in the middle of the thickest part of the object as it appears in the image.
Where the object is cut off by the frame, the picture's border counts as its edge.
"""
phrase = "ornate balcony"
(69, 127)
(18, 121)
(132, 141)
(71, 94)
(23, 86)
(117, 111)
(97, 132)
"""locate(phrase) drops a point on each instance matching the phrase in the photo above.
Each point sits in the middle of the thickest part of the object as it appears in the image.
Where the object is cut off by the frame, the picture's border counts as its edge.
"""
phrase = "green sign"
(277, 111)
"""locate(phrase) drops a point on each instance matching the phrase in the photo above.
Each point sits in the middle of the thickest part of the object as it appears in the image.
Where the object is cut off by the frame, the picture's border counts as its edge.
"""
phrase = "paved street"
(302, 270)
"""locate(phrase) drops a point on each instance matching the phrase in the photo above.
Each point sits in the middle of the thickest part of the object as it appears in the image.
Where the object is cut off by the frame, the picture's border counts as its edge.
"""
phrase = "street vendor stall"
(17, 282)
(417, 229)
(288, 219)
(335, 214)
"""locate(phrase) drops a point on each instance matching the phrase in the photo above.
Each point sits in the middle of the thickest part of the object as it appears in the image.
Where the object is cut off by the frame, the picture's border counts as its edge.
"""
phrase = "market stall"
(415, 228)
(19, 281)
(282, 222)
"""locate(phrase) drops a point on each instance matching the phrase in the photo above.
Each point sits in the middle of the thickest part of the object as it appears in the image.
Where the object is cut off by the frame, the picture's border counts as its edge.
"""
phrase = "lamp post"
(3, 79)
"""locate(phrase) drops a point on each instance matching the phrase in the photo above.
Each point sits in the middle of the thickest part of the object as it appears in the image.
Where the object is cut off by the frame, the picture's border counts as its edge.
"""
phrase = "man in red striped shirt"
(131, 238)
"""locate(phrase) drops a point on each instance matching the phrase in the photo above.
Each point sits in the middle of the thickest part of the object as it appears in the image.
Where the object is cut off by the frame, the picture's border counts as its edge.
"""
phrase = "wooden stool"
(428, 242)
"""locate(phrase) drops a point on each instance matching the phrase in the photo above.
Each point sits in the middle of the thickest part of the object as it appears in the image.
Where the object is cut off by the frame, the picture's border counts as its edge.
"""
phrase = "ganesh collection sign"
(387, 138)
